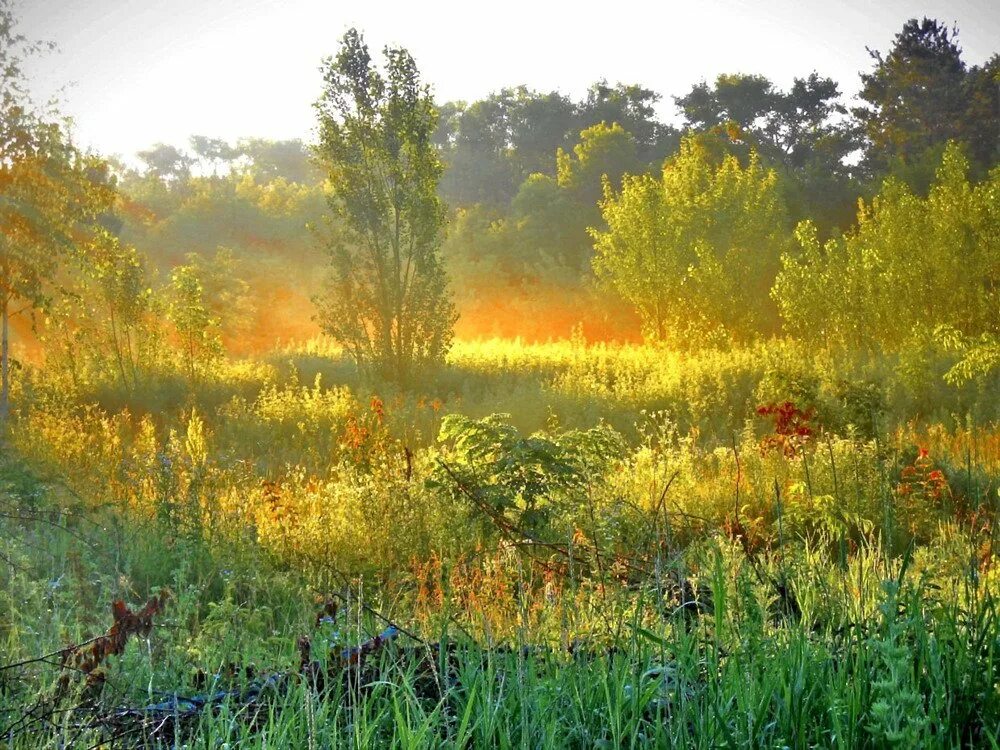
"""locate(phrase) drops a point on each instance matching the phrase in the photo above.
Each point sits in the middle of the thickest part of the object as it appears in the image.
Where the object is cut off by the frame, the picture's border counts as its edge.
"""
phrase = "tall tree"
(919, 96)
(750, 101)
(388, 302)
(269, 160)
(213, 152)
(605, 152)
(541, 124)
(801, 133)
(166, 162)
(981, 124)
(479, 165)
(50, 193)
(634, 108)
(493, 145)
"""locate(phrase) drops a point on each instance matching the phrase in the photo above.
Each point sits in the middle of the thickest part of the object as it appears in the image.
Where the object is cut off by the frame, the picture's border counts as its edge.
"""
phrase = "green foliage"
(632, 106)
(879, 649)
(213, 151)
(166, 162)
(763, 542)
(695, 250)
(273, 160)
(795, 129)
(980, 356)
(544, 232)
(388, 302)
(533, 163)
(530, 479)
(605, 153)
(225, 293)
(50, 193)
(911, 264)
(106, 323)
(921, 95)
(192, 319)
(492, 145)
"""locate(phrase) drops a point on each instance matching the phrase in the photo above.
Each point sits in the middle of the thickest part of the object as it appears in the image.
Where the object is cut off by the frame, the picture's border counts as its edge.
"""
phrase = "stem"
(5, 363)
(117, 347)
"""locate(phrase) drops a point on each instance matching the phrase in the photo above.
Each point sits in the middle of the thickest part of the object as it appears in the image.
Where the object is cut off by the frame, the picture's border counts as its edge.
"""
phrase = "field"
(641, 553)
(524, 418)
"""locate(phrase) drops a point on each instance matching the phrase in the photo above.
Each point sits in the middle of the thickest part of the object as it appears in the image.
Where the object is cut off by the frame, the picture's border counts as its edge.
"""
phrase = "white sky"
(143, 71)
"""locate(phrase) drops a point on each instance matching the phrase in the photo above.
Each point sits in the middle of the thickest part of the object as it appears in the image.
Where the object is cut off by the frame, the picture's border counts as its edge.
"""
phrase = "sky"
(139, 72)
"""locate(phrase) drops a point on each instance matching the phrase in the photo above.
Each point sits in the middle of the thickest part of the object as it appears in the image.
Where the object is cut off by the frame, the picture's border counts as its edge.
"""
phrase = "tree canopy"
(52, 196)
(920, 95)
(387, 300)
(695, 250)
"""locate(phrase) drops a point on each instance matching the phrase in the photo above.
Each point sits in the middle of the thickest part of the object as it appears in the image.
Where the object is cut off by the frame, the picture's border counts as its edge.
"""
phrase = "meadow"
(581, 545)
(530, 421)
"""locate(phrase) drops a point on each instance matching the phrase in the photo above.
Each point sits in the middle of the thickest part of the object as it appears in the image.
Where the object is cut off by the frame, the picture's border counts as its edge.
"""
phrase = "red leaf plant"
(792, 427)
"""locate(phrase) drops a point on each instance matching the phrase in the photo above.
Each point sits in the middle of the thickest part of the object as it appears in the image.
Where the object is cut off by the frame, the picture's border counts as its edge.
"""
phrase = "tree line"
(742, 222)
(773, 211)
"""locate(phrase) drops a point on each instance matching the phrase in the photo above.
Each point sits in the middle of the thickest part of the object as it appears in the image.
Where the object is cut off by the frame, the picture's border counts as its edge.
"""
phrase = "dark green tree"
(750, 101)
(388, 301)
(479, 166)
(541, 124)
(634, 108)
(801, 133)
(269, 160)
(213, 152)
(919, 96)
(166, 162)
(981, 124)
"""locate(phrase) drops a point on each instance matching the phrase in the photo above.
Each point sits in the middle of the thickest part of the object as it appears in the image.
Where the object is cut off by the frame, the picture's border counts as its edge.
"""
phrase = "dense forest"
(528, 421)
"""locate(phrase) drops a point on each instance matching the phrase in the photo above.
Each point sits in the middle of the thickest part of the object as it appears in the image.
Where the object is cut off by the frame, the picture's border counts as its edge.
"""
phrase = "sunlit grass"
(715, 589)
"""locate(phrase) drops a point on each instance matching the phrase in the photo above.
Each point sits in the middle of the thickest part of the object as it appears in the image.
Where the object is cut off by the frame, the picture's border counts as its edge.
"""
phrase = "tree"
(122, 299)
(189, 311)
(981, 125)
(604, 152)
(697, 249)
(979, 356)
(479, 166)
(800, 133)
(51, 195)
(166, 162)
(225, 294)
(213, 151)
(105, 320)
(493, 145)
(748, 100)
(541, 124)
(911, 264)
(548, 227)
(387, 302)
(270, 160)
(633, 107)
(919, 96)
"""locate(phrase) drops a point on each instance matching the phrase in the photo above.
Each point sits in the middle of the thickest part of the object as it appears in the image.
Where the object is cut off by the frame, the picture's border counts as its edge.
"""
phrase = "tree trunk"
(118, 349)
(5, 364)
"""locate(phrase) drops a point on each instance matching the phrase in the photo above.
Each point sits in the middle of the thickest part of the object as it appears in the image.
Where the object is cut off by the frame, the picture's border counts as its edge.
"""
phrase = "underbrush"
(716, 550)
(579, 384)
(715, 647)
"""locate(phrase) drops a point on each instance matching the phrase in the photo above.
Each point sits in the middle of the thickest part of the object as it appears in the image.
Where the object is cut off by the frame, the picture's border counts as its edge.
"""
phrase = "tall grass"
(700, 585)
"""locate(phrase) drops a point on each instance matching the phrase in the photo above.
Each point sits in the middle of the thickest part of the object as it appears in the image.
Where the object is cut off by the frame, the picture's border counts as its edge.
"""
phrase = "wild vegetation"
(709, 458)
